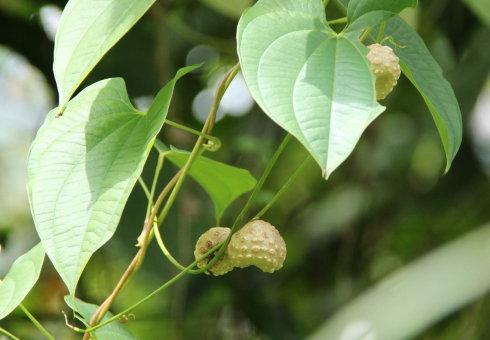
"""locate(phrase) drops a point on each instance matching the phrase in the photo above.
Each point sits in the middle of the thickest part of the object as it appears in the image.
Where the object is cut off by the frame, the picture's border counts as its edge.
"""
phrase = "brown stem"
(175, 184)
(143, 242)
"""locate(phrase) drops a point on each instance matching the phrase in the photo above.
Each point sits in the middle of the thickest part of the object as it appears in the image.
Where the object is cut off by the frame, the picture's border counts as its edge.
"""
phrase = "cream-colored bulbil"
(385, 66)
(206, 242)
(258, 244)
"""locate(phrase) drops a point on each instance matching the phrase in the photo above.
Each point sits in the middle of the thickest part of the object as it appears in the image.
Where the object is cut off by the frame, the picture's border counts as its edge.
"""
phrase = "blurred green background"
(386, 207)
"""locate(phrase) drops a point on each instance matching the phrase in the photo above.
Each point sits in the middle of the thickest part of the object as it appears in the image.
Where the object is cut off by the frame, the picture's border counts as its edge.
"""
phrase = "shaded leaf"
(114, 330)
(419, 294)
(223, 183)
(83, 166)
(426, 75)
(87, 30)
(368, 20)
(20, 279)
(315, 84)
(357, 8)
(481, 8)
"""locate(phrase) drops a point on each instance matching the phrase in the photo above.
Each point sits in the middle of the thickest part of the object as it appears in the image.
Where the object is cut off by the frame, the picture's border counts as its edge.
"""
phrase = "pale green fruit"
(258, 244)
(385, 66)
(206, 242)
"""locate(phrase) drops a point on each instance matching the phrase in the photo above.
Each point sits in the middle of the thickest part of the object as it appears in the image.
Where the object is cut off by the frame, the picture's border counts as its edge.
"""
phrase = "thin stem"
(36, 323)
(7, 333)
(208, 127)
(381, 31)
(342, 20)
(238, 221)
(144, 187)
(216, 141)
(365, 34)
(143, 242)
(155, 292)
(165, 251)
(261, 181)
(174, 185)
(283, 189)
(156, 175)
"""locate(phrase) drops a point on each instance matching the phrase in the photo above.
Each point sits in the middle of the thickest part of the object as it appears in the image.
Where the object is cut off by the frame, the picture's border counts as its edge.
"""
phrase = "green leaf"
(83, 166)
(114, 330)
(358, 8)
(481, 8)
(230, 8)
(223, 183)
(418, 295)
(426, 75)
(367, 20)
(20, 279)
(312, 82)
(87, 30)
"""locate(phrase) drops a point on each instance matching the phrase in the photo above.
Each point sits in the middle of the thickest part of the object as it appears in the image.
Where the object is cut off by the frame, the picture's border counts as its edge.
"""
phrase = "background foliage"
(387, 206)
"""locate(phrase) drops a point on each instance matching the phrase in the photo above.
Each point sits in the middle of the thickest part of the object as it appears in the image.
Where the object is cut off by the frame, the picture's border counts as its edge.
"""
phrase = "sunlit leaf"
(426, 75)
(418, 295)
(358, 8)
(223, 183)
(20, 279)
(83, 166)
(87, 30)
(312, 82)
(112, 331)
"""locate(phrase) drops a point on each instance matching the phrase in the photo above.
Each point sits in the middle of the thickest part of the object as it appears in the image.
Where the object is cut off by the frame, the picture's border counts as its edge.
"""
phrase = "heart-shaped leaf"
(223, 183)
(314, 83)
(358, 8)
(20, 279)
(114, 330)
(426, 75)
(83, 166)
(87, 30)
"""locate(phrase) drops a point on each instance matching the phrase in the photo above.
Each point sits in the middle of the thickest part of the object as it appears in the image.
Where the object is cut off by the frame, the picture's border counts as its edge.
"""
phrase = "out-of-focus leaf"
(83, 166)
(358, 8)
(481, 8)
(425, 74)
(23, 9)
(223, 183)
(315, 84)
(230, 8)
(413, 298)
(20, 279)
(87, 30)
(112, 331)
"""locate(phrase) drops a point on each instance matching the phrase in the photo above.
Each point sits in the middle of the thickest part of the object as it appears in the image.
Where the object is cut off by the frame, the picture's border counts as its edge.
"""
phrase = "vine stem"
(36, 322)
(239, 219)
(342, 20)
(143, 242)
(7, 333)
(152, 294)
(283, 189)
(219, 248)
(174, 186)
(198, 147)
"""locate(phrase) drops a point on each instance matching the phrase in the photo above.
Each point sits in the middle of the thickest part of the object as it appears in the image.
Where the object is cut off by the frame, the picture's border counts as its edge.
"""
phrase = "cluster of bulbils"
(385, 66)
(258, 244)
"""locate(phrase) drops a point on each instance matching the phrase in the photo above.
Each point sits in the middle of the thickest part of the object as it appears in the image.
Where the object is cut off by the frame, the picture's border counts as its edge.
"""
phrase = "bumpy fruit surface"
(258, 244)
(385, 65)
(206, 242)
